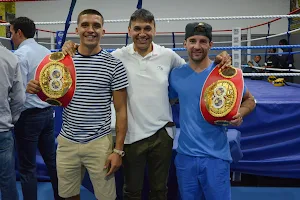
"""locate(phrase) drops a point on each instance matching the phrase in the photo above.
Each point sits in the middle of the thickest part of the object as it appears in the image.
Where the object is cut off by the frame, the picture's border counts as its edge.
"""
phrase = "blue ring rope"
(139, 4)
(12, 44)
(289, 36)
(68, 20)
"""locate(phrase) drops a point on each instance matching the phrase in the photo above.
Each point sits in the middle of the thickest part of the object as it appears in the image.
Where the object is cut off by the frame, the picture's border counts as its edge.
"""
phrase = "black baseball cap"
(197, 28)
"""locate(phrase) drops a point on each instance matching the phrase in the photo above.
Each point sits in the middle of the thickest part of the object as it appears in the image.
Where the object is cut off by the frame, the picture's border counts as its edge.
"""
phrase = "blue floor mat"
(45, 192)
(238, 193)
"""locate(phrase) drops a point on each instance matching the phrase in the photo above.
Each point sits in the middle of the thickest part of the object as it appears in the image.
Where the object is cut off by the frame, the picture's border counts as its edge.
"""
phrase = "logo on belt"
(221, 95)
(57, 77)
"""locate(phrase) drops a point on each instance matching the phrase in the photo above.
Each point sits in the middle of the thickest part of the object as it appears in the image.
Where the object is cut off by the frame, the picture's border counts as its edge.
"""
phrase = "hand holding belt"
(57, 77)
(221, 95)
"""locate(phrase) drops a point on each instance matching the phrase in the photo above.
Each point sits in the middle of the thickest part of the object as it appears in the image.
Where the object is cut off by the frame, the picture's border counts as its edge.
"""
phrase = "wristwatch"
(121, 153)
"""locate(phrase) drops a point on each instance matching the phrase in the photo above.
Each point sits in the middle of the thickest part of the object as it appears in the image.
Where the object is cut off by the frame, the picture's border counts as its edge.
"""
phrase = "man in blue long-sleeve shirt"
(35, 128)
(11, 102)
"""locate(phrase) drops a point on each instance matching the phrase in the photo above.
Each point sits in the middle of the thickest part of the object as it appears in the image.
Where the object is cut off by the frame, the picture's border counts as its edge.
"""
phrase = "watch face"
(121, 153)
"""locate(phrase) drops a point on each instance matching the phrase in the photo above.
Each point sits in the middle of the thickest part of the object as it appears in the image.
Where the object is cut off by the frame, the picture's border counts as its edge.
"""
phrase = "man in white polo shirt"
(149, 138)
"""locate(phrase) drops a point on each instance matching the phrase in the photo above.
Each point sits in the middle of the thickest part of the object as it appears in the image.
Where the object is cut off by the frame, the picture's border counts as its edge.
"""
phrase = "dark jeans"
(156, 152)
(35, 129)
(8, 187)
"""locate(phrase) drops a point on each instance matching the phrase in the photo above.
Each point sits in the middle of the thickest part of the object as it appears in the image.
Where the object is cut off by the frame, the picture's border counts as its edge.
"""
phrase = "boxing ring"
(269, 136)
(269, 141)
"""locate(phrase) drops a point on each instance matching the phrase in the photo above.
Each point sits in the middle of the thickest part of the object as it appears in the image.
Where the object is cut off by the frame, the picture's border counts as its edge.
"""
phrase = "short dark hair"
(143, 15)
(24, 24)
(283, 42)
(90, 12)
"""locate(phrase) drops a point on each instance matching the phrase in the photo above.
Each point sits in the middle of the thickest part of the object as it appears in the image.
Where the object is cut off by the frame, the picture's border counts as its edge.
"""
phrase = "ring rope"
(214, 48)
(221, 42)
(178, 19)
(244, 47)
(5, 38)
(272, 69)
(261, 38)
(271, 74)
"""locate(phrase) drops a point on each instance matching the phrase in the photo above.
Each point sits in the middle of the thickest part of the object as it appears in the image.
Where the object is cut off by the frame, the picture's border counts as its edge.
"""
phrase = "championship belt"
(57, 77)
(271, 79)
(222, 95)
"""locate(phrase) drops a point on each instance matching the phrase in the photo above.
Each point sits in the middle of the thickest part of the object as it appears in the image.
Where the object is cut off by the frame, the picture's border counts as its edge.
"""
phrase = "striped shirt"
(88, 116)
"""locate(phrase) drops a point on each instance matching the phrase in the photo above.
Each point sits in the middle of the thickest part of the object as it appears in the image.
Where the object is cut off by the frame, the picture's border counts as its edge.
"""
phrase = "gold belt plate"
(55, 80)
(220, 97)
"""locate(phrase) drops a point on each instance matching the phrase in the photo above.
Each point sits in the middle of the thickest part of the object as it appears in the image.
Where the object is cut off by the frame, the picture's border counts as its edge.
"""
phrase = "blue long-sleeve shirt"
(30, 54)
